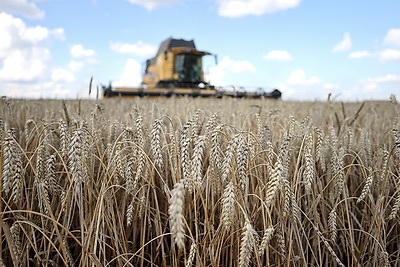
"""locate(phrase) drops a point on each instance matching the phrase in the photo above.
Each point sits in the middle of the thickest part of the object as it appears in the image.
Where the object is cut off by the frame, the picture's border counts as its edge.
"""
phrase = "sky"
(307, 49)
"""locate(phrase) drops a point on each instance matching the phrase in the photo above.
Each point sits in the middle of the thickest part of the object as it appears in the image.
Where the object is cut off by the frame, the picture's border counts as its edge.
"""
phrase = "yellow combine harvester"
(177, 70)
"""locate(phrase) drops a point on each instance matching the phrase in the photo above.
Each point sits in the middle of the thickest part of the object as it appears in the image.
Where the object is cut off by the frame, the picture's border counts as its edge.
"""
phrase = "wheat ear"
(367, 187)
(332, 224)
(17, 245)
(176, 214)
(274, 182)
(309, 172)
(12, 168)
(228, 206)
(226, 165)
(241, 159)
(185, 155)
(192, 253)
(396, 206)
(197, 162)
(247, 244)
(268, 233)
(155, 144)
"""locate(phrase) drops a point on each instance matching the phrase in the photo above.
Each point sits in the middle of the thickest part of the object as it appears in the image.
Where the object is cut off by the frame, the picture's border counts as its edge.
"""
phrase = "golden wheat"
(199, 182)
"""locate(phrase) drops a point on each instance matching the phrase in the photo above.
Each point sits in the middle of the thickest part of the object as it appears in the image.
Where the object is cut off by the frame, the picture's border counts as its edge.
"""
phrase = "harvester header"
(177, 69)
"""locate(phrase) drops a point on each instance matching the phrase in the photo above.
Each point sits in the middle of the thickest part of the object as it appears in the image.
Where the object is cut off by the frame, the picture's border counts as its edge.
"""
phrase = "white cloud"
(28, 65)
(22, 7)
(385, 79)
(21, 55)
(78, 51)
(389, 55)
(278, 55)
(63, 75)
(75, 66)
(58, 33)
(380, 87)
(298, 78)
(240, 8)
(331, 86)
(130, 75)
(25, 60)
(359, 54)
(152, 4)
(370, 87)
(138, 49)
(35, 34)
(392, 37)
(237, 66)
(47, 89)
(344, 45)
(226, 67)
(368, 91)
(303, 93)
(15, 34)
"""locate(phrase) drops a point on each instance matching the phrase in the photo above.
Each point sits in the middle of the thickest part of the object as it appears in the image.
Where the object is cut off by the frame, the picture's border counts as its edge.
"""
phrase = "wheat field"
(199, 182)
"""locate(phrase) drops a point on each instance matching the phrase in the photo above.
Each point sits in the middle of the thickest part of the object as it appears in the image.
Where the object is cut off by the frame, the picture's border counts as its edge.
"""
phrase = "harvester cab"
(177, 64)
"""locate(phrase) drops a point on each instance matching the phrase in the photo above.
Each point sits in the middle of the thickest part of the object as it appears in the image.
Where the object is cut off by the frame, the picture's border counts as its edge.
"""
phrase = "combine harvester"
(177, 70)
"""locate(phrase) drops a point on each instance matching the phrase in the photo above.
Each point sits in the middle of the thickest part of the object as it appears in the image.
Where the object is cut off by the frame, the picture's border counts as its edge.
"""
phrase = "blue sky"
(306, 48)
